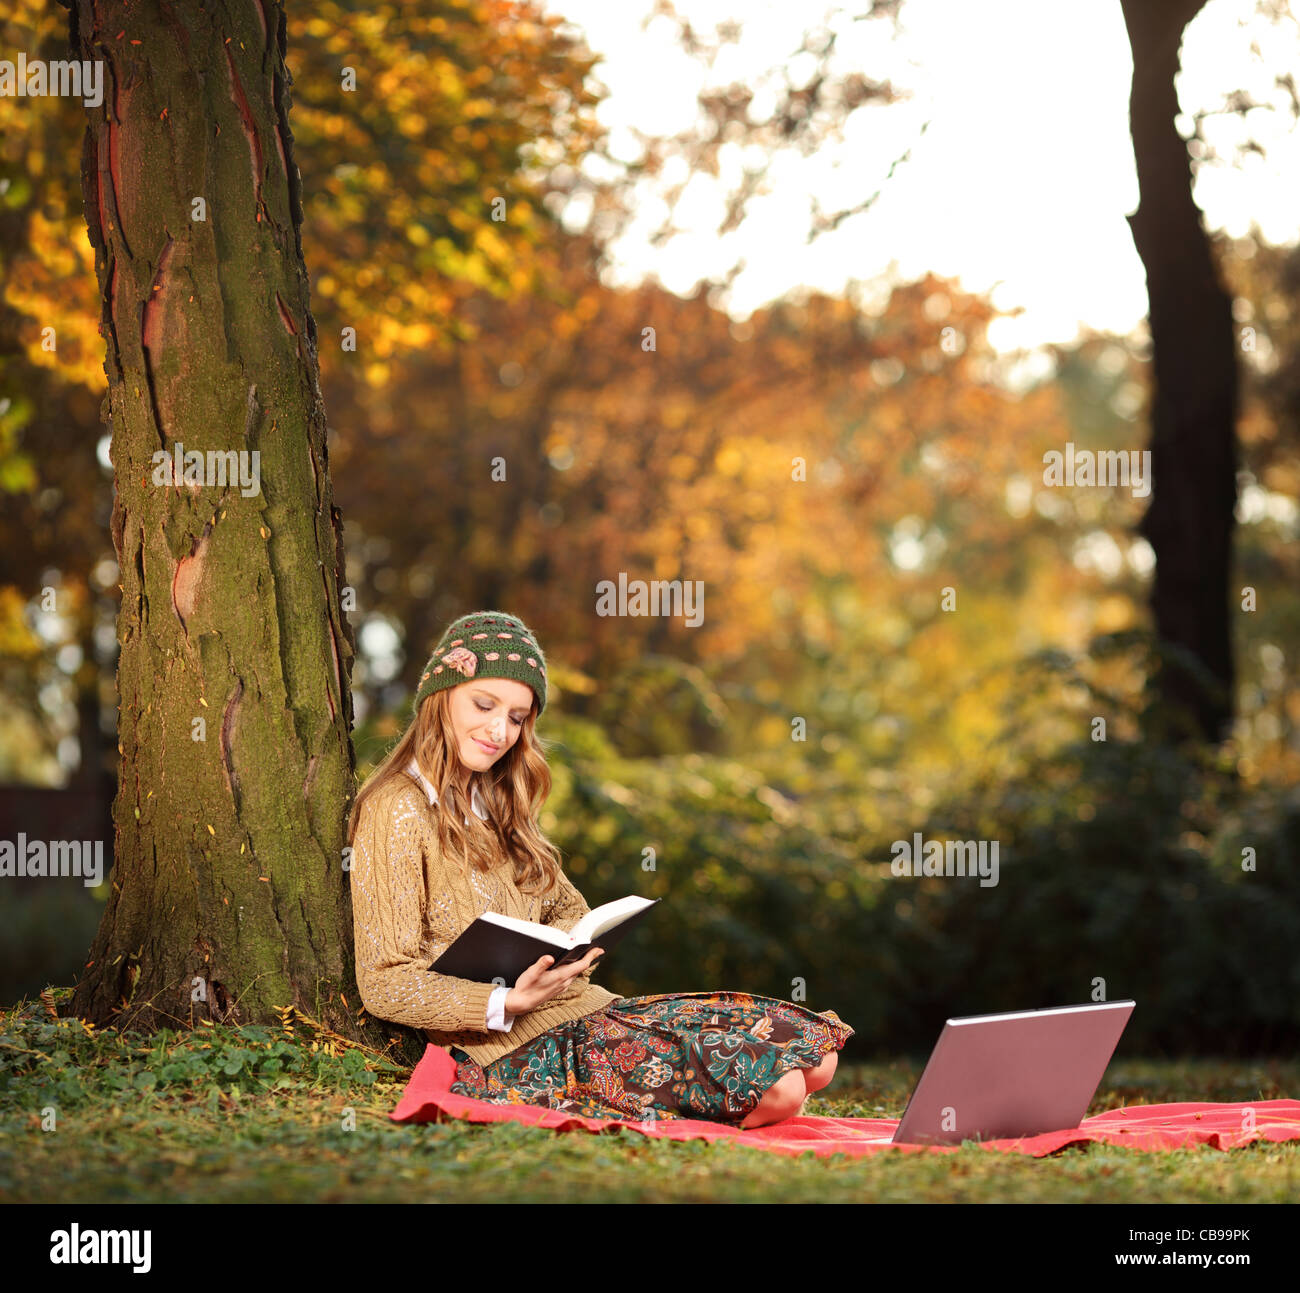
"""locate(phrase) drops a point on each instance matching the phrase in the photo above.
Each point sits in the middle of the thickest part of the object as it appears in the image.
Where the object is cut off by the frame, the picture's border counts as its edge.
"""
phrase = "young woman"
(444, 829)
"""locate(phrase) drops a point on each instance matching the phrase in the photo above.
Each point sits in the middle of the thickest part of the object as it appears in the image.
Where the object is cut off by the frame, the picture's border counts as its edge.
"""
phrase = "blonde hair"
(512, 792)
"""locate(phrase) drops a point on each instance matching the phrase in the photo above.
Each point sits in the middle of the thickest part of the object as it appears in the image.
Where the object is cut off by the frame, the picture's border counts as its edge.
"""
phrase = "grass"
(257, 1115)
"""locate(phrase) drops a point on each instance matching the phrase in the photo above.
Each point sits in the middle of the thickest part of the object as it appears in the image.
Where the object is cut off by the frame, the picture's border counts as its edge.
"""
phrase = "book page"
(556, 937)
(597, 921)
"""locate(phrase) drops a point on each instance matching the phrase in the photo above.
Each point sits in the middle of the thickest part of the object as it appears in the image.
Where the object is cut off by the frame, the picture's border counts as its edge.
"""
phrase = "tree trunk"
(230, 896)
(1189, 522)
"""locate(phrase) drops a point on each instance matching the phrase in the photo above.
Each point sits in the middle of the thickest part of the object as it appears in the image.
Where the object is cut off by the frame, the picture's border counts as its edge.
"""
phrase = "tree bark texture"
(1189, 522)
(229, 893)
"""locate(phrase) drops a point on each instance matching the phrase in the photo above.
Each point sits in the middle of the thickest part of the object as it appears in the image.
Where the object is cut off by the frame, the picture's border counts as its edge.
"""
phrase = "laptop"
(994, 1077)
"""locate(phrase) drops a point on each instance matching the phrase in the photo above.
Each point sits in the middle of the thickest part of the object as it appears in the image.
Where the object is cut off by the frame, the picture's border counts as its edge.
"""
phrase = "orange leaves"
(449, 145)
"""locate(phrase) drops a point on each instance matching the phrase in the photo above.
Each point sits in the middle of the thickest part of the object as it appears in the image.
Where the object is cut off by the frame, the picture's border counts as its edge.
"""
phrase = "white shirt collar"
(476, 801)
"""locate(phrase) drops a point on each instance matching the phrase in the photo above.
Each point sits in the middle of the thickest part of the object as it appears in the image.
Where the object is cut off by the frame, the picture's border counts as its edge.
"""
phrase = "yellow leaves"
(490, 243)
(676, 411)
(16, 638)
(419, 335)
(17, 474)
(447, 80)
(484, 92)
(392, 334)
(478, 270)
(52, 281)
(682, 466)
(1114, 614)
(729, 459)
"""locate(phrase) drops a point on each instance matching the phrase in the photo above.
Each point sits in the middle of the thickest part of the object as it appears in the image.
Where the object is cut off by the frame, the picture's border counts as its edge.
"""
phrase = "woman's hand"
(539, 983)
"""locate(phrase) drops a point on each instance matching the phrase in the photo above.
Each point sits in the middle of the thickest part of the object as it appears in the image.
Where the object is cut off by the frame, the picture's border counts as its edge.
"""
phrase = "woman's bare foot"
(782, 1100)
(818, 1077)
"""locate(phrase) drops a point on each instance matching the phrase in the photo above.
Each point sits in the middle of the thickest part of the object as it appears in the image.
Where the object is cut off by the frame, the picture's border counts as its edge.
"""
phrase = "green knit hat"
(486, 644)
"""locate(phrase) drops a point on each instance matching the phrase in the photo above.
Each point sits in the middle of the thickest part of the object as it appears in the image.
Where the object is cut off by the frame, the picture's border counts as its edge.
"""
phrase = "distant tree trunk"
(1189, 522)
(230, 895)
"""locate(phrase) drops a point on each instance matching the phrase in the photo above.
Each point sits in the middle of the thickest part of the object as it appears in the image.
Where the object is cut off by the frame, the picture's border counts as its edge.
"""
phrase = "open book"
(500, 948)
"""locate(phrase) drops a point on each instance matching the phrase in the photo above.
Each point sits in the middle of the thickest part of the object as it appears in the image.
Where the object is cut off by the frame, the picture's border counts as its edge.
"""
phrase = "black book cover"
(487, 951)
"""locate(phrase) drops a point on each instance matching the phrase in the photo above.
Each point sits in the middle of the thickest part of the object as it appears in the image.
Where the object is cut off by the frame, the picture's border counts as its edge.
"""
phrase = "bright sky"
(1020, 184)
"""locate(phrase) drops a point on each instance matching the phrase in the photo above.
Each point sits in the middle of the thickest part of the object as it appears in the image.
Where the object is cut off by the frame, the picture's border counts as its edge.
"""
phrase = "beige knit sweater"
(410, 904)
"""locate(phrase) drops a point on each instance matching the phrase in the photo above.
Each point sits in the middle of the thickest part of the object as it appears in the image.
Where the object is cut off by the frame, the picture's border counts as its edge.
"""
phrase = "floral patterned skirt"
(710, 1055)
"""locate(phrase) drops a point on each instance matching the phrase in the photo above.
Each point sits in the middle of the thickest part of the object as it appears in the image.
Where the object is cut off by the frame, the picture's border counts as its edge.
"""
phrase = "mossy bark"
(229, 895)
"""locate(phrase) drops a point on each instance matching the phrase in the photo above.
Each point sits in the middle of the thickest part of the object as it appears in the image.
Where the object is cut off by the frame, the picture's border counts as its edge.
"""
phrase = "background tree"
(1194, 403)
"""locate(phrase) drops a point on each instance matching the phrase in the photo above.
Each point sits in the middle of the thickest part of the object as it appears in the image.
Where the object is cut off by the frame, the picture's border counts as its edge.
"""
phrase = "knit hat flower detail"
(462, 660)
(485, 644)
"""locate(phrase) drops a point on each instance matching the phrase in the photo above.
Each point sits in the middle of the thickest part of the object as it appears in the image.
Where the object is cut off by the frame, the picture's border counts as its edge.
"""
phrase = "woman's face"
(487, 718)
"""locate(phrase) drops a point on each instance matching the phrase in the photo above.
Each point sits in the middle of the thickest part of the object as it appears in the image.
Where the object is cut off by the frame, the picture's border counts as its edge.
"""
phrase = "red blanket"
(428, 1098)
